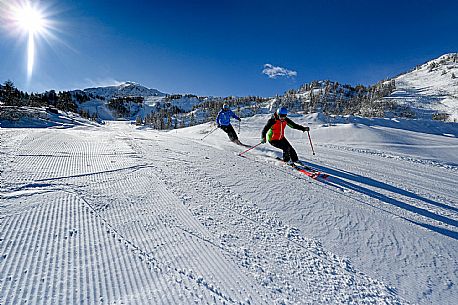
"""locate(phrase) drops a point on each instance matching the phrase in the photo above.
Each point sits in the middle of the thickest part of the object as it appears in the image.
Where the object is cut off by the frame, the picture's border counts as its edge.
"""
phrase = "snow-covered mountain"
(123, 90)
(430, 88)
(96, 100)
(429, 91)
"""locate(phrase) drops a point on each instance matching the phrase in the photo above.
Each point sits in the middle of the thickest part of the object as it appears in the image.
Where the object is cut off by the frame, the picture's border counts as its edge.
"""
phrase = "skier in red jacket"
(275, 132)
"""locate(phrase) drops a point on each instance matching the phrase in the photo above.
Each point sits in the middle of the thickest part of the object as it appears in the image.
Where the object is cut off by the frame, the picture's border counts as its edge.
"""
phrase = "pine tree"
(36, 100)
(169, 121)
(9, 95)
(65, 103)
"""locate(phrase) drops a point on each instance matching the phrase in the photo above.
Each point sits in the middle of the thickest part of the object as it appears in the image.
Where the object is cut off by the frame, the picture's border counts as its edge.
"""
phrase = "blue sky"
(222, 47)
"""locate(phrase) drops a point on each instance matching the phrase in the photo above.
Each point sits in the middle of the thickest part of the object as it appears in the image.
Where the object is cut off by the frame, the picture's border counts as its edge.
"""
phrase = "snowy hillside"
(96, 100)
(33, 117)
(123, 90)
(431, 87)
(430, 91)
(120, 214)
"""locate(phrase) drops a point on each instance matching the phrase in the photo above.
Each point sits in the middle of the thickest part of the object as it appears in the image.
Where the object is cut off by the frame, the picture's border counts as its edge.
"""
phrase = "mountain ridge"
(127, 88)
(429, 90)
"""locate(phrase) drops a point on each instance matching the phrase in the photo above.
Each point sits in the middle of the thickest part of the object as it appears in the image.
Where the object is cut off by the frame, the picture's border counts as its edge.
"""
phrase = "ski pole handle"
(240, 154)
(310, 140)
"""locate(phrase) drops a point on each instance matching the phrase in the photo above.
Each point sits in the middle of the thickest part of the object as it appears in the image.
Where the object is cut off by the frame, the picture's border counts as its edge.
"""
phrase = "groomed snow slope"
(119, 214)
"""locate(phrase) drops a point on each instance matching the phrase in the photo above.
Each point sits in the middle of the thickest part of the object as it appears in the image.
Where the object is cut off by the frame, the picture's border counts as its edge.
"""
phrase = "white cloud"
(274, 72)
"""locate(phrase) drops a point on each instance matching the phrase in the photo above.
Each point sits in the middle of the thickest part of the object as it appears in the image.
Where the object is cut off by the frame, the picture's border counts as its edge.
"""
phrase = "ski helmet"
(225, 106)
(282, 111)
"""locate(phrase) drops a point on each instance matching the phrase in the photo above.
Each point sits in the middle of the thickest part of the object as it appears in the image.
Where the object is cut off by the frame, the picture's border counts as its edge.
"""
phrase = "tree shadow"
(337, 179)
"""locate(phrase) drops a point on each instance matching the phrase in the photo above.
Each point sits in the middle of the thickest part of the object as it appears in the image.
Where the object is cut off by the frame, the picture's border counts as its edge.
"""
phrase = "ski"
(307, 170)
(312, 173)
(304, 169)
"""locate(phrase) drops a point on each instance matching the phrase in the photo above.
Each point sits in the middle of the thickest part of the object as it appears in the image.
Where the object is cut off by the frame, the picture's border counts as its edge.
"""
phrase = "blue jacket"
(224, 117)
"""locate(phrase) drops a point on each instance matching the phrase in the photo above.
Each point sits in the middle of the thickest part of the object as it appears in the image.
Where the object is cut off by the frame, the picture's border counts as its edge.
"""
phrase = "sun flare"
(26, 18)
(30, 19)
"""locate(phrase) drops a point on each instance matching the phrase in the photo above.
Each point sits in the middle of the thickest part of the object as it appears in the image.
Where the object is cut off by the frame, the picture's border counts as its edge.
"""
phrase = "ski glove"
(306, 128)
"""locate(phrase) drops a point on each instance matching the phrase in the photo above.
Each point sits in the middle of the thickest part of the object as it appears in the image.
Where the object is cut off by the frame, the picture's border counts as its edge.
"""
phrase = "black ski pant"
(288, 151)
(230, 132)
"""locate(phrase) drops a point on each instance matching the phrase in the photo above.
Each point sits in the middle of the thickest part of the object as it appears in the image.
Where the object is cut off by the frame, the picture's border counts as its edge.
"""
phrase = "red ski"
(311, 172)
(307, 170)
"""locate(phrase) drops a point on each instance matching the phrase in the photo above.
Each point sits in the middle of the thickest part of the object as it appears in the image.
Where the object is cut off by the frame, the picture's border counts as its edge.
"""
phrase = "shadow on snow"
(337, 179)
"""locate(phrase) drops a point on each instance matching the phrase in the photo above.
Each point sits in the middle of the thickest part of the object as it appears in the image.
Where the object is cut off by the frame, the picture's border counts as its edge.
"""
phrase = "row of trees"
(11, 96)
(213, 106)
(62, 100)
(325, 96)
(328, 97)
(124, 105)
(170, 117)
(337, 99)
(163, 119)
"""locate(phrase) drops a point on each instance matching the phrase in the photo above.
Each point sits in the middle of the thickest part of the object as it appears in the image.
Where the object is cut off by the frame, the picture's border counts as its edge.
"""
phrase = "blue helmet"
(282, 111)
(225, 106)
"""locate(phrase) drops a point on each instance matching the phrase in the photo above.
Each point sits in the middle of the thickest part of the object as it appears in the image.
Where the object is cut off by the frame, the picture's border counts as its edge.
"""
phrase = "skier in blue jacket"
(223, 121)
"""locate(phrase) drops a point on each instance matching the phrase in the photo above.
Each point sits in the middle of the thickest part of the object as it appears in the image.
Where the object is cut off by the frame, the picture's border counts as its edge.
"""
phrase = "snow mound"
(31, 117)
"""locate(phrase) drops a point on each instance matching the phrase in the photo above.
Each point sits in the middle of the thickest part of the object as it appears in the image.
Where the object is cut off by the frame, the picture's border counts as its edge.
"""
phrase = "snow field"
(120, 214)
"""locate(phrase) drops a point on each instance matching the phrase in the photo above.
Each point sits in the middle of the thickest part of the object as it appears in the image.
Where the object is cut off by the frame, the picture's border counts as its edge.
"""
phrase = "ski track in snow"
(395, 219)
(119, 215)
(261, 243)
(424, 196)
(453, 167)
(349, 222)
(115, 258)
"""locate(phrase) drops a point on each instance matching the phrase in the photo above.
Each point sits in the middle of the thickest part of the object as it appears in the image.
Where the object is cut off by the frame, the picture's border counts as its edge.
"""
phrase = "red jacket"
(275, 128)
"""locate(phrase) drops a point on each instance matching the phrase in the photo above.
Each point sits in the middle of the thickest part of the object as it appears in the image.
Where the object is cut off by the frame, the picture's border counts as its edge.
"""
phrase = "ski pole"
(250, 148)
(209, 133)
(239, 127)
(310, 139)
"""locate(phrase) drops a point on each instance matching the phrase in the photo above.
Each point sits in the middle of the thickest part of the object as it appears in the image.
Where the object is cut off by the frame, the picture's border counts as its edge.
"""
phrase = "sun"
(27, 18)
(30, 20)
